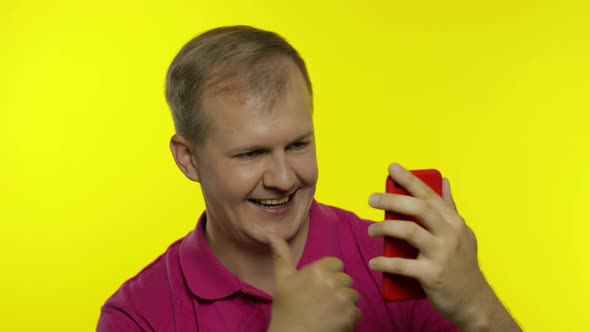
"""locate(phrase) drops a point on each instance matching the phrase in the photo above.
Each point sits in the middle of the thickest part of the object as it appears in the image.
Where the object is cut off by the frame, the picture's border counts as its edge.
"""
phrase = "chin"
(286, 221)
(286, 231)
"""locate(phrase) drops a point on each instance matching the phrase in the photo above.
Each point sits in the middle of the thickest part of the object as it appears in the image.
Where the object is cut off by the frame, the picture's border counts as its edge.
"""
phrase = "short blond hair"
(223, 60)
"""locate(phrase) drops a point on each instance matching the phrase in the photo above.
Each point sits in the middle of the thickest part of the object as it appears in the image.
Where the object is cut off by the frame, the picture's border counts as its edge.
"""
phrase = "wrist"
(279, 325)
(486, 313)
(478, 313)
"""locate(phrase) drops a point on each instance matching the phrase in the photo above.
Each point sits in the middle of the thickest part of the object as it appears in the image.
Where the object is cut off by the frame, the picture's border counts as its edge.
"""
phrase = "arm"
(447, 265)
(487, 314)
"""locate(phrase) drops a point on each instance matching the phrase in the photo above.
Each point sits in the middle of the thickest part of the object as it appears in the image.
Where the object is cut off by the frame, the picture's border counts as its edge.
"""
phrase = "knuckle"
(430, 194)
(386, 227)
(454, 237)
(316, 271)
(436, 277)
(332, 264)
(329, 283)
(461, 220)
(342, 297)
(396, 266)
(437, 282)
(437, 274)
(410, 231)
(345, 279)
(471, 237)
(431, 212)
(338, 264)
(354, 314)
(424, 210)
(422, 206)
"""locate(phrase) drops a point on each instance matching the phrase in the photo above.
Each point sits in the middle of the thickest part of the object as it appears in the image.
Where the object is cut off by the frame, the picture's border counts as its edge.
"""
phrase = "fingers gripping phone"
(397, 287)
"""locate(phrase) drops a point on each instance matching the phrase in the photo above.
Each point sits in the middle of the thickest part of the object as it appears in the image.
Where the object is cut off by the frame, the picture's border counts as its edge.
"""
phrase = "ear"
(182, 151)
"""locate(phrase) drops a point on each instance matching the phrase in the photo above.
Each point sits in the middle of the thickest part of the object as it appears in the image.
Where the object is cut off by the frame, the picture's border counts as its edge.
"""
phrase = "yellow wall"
(493, 93)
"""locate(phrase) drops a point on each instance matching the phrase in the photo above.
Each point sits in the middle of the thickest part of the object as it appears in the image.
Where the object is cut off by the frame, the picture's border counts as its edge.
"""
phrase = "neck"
(250, 261)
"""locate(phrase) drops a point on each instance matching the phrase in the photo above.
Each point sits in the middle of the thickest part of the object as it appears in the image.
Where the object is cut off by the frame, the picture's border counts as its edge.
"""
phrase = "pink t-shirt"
(187, 289)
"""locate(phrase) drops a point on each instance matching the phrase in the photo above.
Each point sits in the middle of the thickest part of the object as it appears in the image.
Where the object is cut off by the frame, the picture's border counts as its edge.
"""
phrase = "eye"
(249, 155)
(298, 145)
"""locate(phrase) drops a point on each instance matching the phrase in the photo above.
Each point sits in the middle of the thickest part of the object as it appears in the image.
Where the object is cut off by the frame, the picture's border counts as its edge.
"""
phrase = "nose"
(279, 174)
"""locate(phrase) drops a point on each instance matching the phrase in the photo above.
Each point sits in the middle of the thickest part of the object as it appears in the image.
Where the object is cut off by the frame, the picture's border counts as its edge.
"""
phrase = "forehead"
(264, 80)
(242, 116)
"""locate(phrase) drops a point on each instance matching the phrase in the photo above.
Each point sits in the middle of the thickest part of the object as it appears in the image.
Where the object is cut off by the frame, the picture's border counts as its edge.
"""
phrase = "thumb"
(446, 193)
(283, 259)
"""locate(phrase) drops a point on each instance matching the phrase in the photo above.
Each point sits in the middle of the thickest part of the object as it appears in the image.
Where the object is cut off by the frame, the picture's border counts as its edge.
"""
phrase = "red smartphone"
(397, 287)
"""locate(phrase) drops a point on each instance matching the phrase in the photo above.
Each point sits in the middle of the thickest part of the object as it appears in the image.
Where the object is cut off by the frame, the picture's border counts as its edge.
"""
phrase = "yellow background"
(495, 94)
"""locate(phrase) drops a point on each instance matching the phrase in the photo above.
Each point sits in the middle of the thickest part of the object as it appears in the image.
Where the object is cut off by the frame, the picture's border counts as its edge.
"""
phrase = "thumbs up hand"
(317, 298)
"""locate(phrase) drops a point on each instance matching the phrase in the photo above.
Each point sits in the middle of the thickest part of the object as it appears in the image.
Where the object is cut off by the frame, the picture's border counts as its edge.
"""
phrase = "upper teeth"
(272, 201)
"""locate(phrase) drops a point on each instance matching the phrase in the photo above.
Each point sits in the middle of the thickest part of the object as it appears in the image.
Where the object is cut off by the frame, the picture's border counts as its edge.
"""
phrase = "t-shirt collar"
(208, 279)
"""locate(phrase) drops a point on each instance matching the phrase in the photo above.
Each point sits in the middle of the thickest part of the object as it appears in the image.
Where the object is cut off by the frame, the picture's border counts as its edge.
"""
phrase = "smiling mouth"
(272, 203)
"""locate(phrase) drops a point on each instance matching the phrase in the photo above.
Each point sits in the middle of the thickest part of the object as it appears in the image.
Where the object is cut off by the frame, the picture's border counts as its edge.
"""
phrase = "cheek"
(239, 180)
(307, 170)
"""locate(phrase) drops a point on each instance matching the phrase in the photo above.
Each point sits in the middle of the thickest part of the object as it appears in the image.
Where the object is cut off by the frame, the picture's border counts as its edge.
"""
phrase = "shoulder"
(146, 295)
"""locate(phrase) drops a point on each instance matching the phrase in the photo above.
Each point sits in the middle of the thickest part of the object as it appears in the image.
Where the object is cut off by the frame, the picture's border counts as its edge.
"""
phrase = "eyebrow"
(307, 134)
(241, 149)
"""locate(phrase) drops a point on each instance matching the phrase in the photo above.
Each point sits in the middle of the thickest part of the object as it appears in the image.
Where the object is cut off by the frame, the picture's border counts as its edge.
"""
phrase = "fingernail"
(393, 166)
(372, 262)
(373, 200)
(371, 230)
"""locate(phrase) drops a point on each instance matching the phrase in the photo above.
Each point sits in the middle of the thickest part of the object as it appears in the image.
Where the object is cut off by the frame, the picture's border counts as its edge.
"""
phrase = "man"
(265, 256)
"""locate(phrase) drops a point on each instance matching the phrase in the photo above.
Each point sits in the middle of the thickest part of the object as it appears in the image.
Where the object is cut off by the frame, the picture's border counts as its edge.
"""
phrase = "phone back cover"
(396, 287)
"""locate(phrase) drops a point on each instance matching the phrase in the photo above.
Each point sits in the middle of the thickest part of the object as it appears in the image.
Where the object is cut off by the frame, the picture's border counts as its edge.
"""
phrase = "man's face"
(257, 166)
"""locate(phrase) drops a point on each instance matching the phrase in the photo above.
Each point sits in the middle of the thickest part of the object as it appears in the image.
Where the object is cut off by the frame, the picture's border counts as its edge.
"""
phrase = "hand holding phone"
(397, 287)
